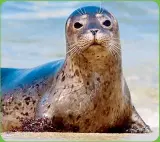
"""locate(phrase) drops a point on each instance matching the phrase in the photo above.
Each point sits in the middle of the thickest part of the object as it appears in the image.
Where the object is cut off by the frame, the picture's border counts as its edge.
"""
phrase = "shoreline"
(56, 136)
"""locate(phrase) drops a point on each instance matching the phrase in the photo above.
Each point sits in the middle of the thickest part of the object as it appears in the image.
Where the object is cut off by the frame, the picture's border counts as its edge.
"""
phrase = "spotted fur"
(87, 94)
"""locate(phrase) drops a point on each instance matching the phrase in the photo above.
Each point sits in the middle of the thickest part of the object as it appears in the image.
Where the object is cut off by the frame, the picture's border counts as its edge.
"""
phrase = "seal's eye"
(107, 23)
(78, 25)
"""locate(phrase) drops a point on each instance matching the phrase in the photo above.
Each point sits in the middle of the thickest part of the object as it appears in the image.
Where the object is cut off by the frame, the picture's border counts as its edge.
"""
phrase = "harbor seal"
(86, 92)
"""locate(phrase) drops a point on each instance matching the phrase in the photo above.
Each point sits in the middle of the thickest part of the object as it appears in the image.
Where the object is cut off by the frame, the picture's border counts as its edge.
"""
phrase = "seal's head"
(90, 27)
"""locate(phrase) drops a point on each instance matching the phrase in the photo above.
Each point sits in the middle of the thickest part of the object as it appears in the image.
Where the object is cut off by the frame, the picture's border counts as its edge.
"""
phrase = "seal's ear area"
(114, 18)
(68, 22)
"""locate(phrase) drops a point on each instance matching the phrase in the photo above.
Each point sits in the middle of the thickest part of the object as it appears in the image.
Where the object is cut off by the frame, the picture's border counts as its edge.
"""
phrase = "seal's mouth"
(95, 42)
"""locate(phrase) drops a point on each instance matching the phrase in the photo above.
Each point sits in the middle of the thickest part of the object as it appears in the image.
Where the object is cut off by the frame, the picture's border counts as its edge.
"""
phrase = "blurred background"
(33, 34)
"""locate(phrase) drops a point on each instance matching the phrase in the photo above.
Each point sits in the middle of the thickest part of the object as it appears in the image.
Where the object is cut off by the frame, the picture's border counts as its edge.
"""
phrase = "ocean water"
(33, 34)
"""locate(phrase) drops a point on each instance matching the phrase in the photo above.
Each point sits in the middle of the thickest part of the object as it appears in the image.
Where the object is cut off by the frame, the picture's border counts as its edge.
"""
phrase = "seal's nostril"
(94, 32)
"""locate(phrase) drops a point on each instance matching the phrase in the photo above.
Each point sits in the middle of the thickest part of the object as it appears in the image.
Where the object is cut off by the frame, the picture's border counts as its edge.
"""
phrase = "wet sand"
(53, 136)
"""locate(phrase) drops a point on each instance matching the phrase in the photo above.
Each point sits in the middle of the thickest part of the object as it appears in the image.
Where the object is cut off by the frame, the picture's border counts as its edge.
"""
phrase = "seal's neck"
(95, 63)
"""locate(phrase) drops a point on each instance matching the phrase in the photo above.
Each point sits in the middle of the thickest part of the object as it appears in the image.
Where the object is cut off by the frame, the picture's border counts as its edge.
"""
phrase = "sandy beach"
(49, 136)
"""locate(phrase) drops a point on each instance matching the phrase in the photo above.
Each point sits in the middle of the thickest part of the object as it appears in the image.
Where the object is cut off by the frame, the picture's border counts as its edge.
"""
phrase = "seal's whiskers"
(111, 51)
(100, 7)
(72, 51)
(79, 12)
(71, 46)
(75, 50)
(114, 48)
(117, 55)
(82, 11)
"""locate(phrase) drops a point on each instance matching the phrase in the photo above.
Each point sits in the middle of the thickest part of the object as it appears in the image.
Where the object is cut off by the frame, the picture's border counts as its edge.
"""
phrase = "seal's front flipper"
(137, 125)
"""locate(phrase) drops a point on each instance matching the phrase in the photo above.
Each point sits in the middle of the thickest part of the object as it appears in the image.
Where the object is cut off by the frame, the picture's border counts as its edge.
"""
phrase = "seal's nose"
(94, 31)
